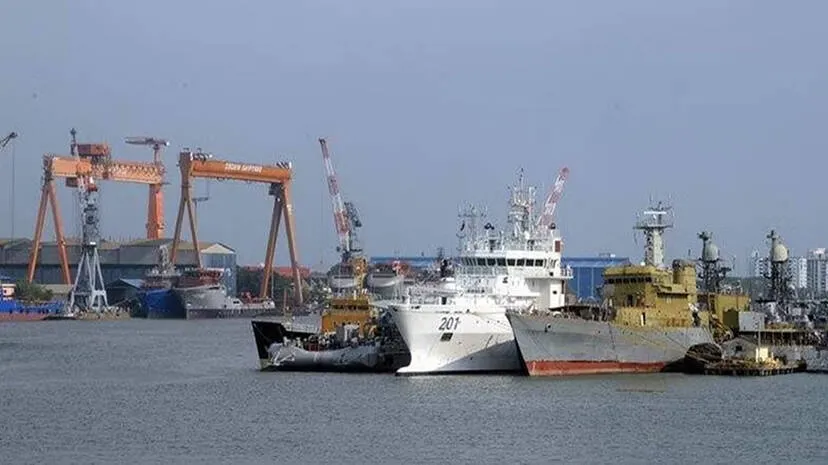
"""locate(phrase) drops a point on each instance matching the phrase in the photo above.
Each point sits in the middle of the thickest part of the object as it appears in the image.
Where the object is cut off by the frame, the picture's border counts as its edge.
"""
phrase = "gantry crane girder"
(93, 161)
(201, 165)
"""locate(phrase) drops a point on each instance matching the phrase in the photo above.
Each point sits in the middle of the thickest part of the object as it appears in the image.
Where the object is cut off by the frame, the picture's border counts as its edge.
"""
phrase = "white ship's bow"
(443, 343)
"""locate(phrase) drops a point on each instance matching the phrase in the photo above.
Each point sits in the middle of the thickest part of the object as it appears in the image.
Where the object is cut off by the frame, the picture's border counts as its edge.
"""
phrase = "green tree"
(31, 292)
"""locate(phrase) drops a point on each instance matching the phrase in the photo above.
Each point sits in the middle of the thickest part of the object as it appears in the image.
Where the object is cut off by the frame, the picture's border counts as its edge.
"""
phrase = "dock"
(738, 369)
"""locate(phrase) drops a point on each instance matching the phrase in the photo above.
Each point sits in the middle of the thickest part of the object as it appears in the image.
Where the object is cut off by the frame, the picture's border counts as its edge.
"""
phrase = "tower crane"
(4, 141)
(555, 192)
(155, 206)
(88, 292)
(346, 221)
(346, 218)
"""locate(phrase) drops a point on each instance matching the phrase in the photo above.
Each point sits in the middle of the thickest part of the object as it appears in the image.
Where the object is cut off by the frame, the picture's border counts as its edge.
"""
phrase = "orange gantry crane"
(201, 165)
(88, 161)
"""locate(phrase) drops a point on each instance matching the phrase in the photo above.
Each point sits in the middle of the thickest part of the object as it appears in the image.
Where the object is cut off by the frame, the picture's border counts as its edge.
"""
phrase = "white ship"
(460, 325)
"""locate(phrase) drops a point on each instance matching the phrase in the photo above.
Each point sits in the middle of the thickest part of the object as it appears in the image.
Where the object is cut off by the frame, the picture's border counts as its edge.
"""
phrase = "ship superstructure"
(459, 324)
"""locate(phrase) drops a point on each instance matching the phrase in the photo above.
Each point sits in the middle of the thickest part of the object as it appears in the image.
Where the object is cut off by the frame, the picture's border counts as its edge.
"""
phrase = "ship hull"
(478, 342)
(211, 302)
(276, 355)
(208, 296)
(5, 316)
(213, 313)
(12, 310)
(160, 304)
(358, 359)
(555, 346)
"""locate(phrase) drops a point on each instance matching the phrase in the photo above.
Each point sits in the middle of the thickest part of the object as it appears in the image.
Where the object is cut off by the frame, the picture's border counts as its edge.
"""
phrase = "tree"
(31, 292)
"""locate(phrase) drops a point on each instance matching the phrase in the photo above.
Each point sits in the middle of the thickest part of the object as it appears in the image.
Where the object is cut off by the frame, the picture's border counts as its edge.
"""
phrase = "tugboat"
(351, 336)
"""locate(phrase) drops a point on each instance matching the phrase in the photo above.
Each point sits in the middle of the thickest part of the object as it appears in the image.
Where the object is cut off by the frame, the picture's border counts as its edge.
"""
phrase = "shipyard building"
(121, 262)
(588, 274)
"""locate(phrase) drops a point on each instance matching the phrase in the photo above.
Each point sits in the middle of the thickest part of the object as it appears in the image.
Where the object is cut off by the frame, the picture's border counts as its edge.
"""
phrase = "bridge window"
(520, 262)
(491, 261)
(511, 261)
(501, 262)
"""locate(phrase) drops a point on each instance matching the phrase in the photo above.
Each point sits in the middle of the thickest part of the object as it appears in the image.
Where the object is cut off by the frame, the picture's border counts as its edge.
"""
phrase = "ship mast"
(779, 276)
(467, 234)
(521, 208)
(654, 222)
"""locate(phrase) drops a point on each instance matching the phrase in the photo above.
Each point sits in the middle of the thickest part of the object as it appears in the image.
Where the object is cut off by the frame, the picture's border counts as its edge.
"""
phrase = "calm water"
(189, 392)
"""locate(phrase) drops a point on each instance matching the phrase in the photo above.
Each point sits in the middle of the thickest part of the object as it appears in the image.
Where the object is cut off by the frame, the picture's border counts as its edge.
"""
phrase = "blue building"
(587, 274)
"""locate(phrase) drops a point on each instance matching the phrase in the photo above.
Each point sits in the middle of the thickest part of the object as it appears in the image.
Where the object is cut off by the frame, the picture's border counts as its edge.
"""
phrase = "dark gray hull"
(551, 345)
(213, 313)
(275, 354)
(359, 359)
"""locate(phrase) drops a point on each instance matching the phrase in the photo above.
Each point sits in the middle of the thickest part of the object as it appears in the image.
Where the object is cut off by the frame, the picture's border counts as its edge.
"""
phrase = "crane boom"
(545, 218)
(4, 141)
(340, 214)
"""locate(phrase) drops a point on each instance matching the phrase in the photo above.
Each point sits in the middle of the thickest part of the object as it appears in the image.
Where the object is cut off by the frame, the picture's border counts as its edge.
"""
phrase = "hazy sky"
(720, 105)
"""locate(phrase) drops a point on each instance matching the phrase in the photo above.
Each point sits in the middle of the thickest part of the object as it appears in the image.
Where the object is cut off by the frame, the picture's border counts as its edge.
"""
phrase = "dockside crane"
(87, 161)
(346, 221)
(278, 178)
(88, 292)
(5, 141)
(545, 219)
(155, 205)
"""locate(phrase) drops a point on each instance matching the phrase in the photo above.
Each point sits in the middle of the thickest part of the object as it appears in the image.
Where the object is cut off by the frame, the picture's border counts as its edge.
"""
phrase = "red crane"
(545, 218)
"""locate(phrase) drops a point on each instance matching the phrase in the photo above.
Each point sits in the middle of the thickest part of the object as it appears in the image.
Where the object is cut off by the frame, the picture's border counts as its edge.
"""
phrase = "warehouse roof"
(105, 244)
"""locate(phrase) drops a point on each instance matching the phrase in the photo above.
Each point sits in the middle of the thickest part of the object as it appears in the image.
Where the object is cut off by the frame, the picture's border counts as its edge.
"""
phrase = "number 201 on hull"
(449, 323)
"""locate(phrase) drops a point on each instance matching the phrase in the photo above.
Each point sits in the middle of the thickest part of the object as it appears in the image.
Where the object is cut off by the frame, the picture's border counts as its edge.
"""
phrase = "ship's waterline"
(551, 345)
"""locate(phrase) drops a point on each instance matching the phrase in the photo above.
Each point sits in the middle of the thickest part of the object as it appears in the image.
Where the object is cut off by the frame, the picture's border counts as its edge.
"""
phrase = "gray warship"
(203, 295)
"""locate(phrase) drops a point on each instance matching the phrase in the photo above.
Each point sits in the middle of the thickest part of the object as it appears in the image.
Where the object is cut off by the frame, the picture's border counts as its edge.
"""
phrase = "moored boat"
(460, 326)
(650, 320)
(350, 336)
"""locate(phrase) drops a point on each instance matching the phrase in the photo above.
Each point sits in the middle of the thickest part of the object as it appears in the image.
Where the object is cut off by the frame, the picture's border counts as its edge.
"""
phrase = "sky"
(718, 106)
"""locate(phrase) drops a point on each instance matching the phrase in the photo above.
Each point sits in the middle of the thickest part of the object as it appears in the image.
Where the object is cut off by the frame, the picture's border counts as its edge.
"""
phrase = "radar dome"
(779, 253)
(710, 252)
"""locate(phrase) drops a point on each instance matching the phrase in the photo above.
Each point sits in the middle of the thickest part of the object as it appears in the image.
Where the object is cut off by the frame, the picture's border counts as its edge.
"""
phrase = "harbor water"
(151, 391)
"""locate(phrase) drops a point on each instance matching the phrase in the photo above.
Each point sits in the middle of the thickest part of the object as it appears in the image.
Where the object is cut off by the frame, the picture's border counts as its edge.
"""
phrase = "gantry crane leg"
(291, 237)
(275, 221)
(185, 202)
(61, 238)
(48, 196)
(155, 212)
